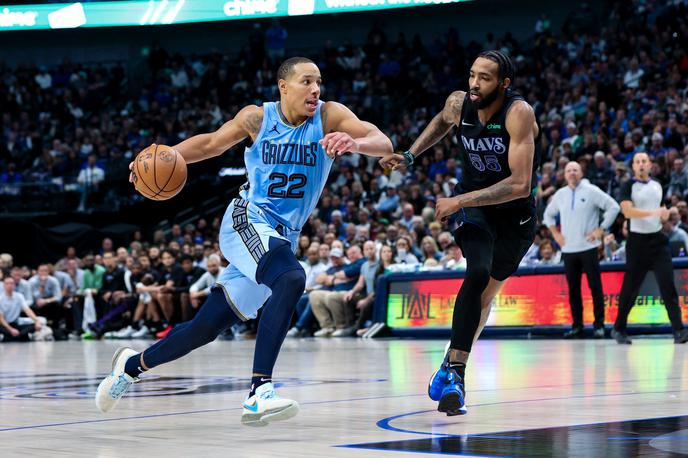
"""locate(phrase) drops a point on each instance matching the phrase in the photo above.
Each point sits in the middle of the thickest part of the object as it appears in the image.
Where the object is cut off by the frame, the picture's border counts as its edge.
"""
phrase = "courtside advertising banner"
(156, 12)
(527, 300)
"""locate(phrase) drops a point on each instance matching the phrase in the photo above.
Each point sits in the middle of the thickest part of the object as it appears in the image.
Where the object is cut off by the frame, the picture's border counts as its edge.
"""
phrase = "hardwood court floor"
(358, 398)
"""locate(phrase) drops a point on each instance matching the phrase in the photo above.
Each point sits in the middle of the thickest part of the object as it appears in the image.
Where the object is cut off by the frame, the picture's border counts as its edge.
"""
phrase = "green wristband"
(408, 155)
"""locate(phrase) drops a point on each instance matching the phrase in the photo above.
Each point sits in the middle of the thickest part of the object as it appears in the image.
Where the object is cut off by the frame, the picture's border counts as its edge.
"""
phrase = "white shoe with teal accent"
(113, 387)
(266, 406)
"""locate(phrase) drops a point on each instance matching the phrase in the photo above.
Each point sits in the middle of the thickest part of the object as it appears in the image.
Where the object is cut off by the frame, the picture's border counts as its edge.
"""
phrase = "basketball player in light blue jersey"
(294, 145)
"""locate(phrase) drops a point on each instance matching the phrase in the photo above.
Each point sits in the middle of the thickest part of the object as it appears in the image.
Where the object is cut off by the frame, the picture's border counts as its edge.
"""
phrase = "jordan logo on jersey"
(494, 144)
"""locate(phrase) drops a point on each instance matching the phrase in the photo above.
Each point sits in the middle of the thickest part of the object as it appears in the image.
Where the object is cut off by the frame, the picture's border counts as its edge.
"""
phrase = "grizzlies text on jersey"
(287, 167)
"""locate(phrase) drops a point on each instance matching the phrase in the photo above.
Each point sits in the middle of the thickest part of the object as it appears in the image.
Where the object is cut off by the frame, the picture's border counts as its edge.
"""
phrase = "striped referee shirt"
(645, 195)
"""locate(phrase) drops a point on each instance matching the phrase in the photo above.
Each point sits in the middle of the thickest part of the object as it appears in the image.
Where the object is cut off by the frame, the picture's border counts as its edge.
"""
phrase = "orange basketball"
(159, 172)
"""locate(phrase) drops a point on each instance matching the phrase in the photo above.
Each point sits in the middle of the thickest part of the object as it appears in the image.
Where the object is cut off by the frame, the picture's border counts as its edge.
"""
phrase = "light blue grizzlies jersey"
(287, 167)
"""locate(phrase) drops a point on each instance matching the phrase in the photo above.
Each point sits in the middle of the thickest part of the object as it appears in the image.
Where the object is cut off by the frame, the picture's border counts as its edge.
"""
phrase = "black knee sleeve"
(278, 260)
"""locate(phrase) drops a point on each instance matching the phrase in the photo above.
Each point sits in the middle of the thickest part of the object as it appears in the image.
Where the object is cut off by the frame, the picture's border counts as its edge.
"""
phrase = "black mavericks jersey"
(485, 149)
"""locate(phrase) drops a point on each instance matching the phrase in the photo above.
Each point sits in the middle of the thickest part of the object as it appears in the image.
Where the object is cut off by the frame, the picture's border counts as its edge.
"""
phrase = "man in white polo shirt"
(12, 304)
(578, 206)
(647, 248)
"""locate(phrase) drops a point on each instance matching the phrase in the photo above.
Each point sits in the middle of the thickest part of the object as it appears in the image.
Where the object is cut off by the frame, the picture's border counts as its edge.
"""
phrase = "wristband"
(409, 157)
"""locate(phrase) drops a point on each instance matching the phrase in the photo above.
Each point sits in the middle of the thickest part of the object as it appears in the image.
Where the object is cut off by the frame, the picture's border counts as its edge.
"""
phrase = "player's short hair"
(506, 66)
(287, 67)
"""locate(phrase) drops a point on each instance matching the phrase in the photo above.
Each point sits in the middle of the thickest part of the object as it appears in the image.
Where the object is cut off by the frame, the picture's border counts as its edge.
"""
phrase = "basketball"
(159, 172)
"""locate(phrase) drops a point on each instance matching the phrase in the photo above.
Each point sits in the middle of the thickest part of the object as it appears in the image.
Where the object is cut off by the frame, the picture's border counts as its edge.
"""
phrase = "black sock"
(257, 381)
(132, 367)
(460, 369)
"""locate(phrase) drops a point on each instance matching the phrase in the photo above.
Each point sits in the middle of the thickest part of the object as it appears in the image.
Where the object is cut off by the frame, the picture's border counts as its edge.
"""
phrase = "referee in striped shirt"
(647, 248)
(578, 206)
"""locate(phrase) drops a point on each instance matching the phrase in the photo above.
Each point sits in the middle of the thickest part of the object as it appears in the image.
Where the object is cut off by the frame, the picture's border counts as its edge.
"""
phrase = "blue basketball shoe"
(438, 379)
(453, 398)
(446, 386)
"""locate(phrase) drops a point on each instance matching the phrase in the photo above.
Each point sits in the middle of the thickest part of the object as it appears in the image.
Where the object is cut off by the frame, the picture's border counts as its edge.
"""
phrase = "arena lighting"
(156, 12)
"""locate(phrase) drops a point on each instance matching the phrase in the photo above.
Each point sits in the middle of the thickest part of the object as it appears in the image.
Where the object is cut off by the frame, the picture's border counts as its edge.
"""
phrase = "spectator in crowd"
(90, 179)
(389, 200)
(92, 283)
(678, 184)
(600, 172)
(187, 276)
(170, 276)
(109, 298)
(12, 303)
(21, 285)
(201, 287)
(6, 262)
(429, 249)
(47, 295)
(678, 238)
(327, 303)
(404, 254)
(444, 240)
(69, 255)
(547, 254)
(363, 292)
(453, 259)
(408, 219)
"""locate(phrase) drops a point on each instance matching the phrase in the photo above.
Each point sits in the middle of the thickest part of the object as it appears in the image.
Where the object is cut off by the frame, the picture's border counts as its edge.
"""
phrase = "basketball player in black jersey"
(497, 135)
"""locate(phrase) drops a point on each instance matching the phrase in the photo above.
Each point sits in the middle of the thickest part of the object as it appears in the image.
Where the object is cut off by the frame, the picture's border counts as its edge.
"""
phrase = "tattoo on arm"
(430, 135)
(440, 124)
(253, 122)
(498, 193)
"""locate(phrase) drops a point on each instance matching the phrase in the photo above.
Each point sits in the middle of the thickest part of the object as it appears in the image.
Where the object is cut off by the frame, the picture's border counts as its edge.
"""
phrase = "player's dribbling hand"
(338, 143)
(445, 207)
(393, 161)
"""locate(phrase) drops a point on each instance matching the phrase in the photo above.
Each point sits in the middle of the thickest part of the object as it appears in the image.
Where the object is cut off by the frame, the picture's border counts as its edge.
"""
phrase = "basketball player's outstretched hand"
(445, 207)
(394, 162)
(338, 143)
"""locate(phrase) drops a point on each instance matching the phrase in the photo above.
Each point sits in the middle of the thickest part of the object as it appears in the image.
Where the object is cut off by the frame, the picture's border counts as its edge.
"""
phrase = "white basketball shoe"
(113, 387)
(265, 406)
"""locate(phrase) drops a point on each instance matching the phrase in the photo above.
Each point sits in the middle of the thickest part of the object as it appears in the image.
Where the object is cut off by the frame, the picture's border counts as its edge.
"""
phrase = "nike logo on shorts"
(522, 222)
(464, 123)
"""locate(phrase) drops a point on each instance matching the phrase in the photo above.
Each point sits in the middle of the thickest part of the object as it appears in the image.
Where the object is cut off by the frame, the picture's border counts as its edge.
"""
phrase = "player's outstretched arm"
(345, 133)
(435, 131)
(246, 123)
(519, 124)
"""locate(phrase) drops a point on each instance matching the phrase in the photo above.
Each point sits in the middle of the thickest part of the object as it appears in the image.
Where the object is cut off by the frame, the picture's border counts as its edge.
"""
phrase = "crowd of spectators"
(600, 94)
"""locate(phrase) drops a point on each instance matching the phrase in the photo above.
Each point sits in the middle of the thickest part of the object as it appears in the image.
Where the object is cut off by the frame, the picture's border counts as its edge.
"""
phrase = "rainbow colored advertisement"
(526, 300)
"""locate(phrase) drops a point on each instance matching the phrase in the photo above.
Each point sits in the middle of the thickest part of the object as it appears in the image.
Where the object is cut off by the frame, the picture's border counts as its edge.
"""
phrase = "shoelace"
(120, 386)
